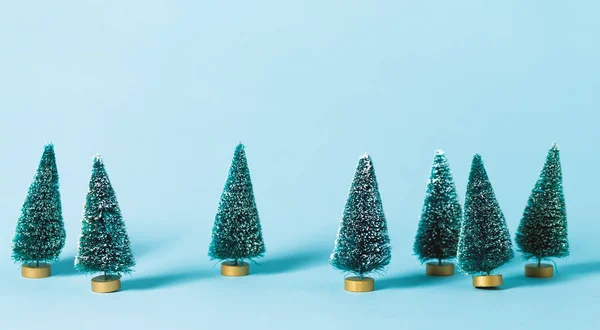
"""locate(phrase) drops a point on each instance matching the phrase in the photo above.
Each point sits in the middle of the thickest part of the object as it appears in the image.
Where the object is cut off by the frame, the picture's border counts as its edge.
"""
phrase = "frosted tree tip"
(439, 152)
(477, 159)
(98, 158)
(48, 147)
(555, 146)
(365, 156)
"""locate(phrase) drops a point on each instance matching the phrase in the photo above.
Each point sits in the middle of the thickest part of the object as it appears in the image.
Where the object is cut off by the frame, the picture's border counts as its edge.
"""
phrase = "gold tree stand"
(106, 284)
(355, 284)
(435, 269)
(32, 271)
(544, 271)
(229, 268)
(487, 281)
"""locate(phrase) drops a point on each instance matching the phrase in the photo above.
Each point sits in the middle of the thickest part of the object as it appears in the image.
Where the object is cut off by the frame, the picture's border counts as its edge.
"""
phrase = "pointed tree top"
(553, 153)
(48, 152)
(48, 160)
(98, 160)
(240, 147)
(439, 152)
(478, 169)
(477, 160)
(365, 162)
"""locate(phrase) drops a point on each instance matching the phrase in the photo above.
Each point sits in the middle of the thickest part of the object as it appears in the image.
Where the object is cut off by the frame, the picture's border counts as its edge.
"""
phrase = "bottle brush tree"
(237, 233)
(104, 245)
(484, 243)
(439, 226)
(40, 232)
(542, 233)
(362, 245)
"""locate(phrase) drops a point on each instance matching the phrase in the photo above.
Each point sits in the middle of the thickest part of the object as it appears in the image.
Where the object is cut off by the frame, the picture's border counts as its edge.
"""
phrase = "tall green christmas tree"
(40, 233)
(237, 233)
(542, 232)
(362, 245)
(104, 245)
(484, 242)
(439, 227)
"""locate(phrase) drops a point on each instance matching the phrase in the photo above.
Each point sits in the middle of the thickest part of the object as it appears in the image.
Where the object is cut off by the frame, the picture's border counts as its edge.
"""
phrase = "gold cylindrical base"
(487, 281)
(106, 284)
(544, 271)
(228, 268)
(355, 284)
(33, 271)
(435, 269)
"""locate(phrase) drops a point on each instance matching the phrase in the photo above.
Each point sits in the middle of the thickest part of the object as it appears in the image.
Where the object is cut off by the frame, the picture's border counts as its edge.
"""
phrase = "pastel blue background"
(164, 90)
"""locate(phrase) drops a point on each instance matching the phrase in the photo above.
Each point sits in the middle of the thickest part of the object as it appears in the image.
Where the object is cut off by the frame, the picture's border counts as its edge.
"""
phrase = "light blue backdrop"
(164, 90)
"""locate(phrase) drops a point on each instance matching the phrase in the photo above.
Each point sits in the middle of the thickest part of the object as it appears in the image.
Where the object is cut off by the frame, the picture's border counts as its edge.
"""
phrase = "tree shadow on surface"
(568, 272)
(166, 280)
(292, 262)
(65, 266)
(414, 280)
(490, 289)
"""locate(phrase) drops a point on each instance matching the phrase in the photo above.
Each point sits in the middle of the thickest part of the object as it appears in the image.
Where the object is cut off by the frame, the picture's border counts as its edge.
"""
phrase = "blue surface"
(164, 90)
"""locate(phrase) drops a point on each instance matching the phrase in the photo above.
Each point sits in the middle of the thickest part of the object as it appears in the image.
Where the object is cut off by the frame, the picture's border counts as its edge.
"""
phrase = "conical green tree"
(542, 232)
(484, 242)
(104, 245)
(237, 233)
(439, 227)
(362, 245)
(40, 233)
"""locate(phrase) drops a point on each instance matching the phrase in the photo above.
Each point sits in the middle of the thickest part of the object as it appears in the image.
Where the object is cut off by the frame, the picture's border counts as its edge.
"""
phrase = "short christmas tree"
(542, 233)
(40, 233)
(104, 245)
(362, 245)
(237, 233)
(485, 242)
(439, 227)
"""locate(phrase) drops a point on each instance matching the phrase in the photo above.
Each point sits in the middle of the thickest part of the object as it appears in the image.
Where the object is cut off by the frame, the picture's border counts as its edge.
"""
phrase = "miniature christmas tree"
(237, 234)
(439, 227)
(104, 246)
(40, 233)
(542, 233)
(362, 245)
(484, 242)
